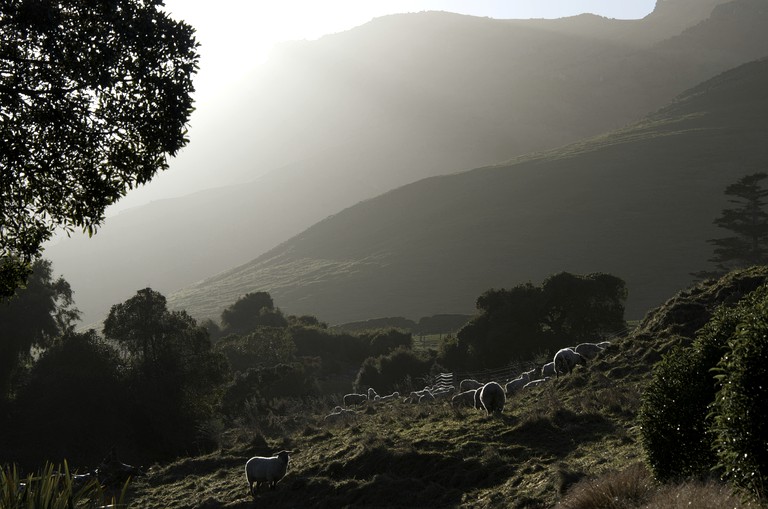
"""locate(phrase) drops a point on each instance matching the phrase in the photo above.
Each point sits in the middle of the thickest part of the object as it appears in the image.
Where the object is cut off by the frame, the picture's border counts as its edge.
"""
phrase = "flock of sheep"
(490, 397)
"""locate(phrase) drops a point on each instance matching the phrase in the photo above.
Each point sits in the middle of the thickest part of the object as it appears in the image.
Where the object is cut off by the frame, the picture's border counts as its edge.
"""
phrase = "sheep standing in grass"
(535, 383)
(492, 397)
(468, 384)
(478, 403)
(354, 399)
(268, 470)
(548, 369)
(466, 398)
(566, 359)
(372, 394)
(518, 383)
(604, 344)
(588, 350)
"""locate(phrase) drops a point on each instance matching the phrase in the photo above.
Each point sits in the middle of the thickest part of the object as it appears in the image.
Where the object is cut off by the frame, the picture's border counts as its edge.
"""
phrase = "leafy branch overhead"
(93, 98)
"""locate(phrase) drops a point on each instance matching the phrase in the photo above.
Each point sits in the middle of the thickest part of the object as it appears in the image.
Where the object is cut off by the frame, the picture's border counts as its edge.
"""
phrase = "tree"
(250, 312)
(748, 220)
(93, 97)
(174, 375)
(517, 323)
(32, 317)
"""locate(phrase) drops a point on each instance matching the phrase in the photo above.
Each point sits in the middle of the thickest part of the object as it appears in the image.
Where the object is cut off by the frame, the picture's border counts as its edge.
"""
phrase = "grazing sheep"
(566, 359)
(355, 399)
(518, 383)
(588, 350)
(492, 397)
(266, 470)
(548, 369)
(466, 398)
(427, 397)
(388, 397)
(468, 384)
(535, 383)
(372, 394)
(339, 413)
(478, 403)
(604, 344)
(443, 394)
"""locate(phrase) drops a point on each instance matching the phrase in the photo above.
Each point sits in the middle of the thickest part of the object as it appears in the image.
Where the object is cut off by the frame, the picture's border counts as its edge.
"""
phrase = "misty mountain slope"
(404, 97)
(638, 203)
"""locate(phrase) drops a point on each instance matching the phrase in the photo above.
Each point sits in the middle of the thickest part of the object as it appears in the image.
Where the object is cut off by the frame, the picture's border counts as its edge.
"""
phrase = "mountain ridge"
(391, 262)
(341, 125)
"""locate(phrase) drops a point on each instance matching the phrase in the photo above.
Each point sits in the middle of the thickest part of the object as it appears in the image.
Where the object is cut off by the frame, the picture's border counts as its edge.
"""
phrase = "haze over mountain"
(404, 97)
(637, 203)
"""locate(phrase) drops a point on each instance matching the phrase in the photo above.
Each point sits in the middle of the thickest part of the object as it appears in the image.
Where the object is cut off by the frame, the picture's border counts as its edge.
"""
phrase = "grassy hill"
(638, 203)
(572, 441)
(350, 116)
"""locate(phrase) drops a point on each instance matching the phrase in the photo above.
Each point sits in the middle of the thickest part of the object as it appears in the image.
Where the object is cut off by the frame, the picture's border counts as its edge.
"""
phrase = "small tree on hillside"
(748, 221)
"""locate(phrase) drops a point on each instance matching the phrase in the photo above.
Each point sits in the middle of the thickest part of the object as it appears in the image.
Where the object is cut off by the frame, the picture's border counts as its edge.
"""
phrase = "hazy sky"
(236, 37)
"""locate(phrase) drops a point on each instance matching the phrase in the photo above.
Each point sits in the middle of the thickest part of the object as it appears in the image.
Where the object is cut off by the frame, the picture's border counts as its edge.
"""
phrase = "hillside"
(637, 203)
(575, 431)
(335, 121)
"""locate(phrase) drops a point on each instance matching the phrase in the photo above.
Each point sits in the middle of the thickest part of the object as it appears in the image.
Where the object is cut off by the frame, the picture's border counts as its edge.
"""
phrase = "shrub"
(740, 412)
(673, 416)
(389, 372)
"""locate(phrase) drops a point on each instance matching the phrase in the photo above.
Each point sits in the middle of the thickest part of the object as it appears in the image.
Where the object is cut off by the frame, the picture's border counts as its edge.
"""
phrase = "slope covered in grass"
(578, 430)
(637, 203)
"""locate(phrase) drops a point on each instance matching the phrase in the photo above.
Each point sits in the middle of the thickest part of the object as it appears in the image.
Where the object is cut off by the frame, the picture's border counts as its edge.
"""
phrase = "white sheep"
(268, 470)
(548, 369)
(372, 394)
(468, 384)
(388, 397)
(604, 344)
(466, 398)
(566, 359)
(478, 403)
(443, 393)
(518, 383)
(492, 397)
(427, 397)
(339, 413)
(588, 350)
(355, 399)
(535, 383)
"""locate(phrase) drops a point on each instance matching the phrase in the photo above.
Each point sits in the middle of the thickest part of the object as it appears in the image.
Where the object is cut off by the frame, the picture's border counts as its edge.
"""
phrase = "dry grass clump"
(701, 495)
(634, 488)
(627, 489)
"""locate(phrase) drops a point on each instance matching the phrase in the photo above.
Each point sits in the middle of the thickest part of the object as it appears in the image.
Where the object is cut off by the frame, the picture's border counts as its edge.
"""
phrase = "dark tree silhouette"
(93, 97)
(748, 221)
(33, 316)
(249, 312)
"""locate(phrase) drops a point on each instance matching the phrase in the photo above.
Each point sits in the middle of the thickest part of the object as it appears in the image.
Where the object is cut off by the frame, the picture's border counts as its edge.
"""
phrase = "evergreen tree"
(748, 220)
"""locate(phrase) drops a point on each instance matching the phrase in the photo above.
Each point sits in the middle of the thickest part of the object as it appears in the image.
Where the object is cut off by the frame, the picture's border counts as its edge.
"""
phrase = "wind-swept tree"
(748, 221)
(93, 97)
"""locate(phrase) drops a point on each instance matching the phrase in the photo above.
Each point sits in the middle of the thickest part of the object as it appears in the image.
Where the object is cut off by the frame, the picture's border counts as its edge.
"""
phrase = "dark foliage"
(249, 312)
(264, 346)
(73, 405)
(32, 317)
(93, 96)
(256, 390)
(680, 424)
(517, 323)
(173, 375)
(391, 372)
(740, 412)
(748, 221)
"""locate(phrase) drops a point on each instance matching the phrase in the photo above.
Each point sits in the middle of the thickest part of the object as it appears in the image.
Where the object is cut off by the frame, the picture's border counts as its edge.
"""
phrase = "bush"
(740, 412)
(389, 372)
(673, 415)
